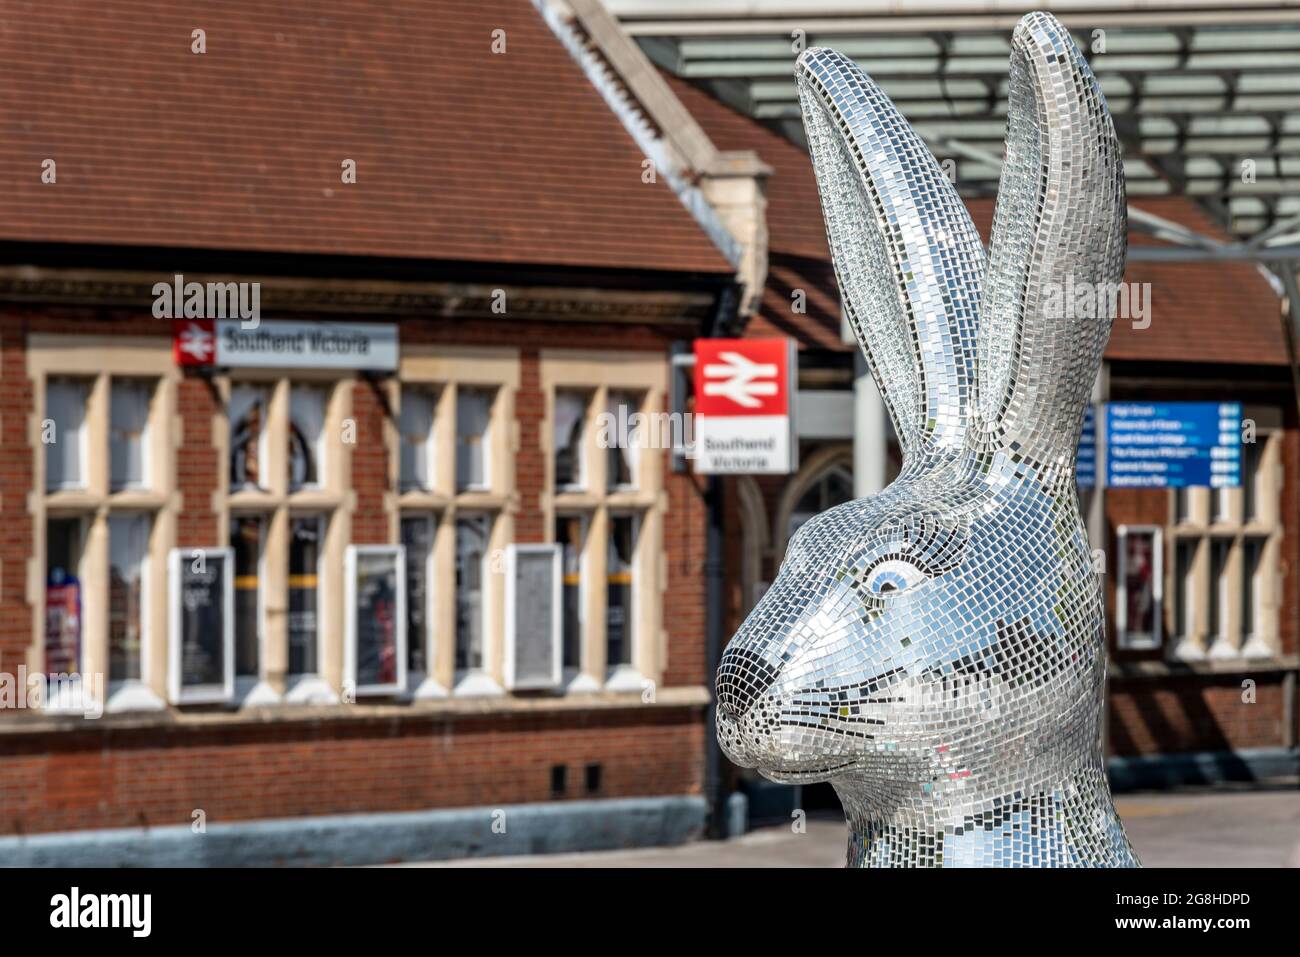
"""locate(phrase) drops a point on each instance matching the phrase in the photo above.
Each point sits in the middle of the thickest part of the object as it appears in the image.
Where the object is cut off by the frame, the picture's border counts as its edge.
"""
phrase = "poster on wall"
(62, 624)
(201, 659)
(376, 619)
(1139, 598)
(534, 616)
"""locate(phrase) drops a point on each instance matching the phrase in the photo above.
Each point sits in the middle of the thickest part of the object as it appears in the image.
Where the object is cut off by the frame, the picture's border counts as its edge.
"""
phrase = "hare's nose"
(743, 675)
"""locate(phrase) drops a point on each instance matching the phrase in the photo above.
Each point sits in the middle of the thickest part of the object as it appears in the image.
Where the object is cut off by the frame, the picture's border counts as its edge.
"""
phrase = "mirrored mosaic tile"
(937, 651)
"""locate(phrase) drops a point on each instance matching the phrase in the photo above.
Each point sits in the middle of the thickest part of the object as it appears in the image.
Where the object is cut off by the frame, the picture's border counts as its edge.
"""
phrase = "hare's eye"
(892, 576)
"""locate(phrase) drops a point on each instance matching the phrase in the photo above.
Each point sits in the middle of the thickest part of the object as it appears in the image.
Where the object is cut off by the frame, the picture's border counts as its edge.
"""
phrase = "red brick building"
(513, 221)
(450, 184)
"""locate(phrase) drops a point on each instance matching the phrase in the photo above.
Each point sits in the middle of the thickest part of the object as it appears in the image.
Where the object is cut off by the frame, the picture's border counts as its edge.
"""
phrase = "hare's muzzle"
(743, 675)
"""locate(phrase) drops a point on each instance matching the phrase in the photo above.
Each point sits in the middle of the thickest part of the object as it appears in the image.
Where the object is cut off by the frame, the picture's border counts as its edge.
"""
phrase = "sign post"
(744, 402)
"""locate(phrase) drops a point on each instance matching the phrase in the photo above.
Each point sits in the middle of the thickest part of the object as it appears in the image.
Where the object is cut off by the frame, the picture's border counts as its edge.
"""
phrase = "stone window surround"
(275, 503)
(448, 369)
(99, 359)
(598, 373)
(1203, 526)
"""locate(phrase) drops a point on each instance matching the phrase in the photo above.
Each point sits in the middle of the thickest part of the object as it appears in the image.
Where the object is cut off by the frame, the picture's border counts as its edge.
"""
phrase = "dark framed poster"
(534, 616)
(1139, 597)
(375, 646)
(62, 624)
(201, 633)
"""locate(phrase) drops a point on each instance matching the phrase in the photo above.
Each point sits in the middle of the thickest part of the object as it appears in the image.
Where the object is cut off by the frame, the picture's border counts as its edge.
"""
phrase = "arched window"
(832, 487)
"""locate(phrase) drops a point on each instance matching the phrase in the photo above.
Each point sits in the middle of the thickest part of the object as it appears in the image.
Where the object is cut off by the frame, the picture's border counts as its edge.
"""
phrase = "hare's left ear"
(907, 257)
(1056, 256)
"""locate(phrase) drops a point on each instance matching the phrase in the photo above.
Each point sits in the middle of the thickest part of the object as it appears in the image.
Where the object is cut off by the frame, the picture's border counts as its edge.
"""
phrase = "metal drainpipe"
(723, 320)
(713, 579)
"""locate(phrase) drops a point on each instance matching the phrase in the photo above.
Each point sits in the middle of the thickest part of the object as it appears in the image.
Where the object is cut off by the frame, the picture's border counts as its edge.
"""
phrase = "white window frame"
(1122, 639)
(466, 679)
(584, 522)
(350, 625)
(146, 463)
(485, 441)
(583, 468)
(1219, 519)
(513, 551)
(142, 569)
(297, 678)
(430, 393)
(92, 362)
(632, 623)
(319, 446)
(200, 694)
(267, 390)
(429, 519)
(83, 434)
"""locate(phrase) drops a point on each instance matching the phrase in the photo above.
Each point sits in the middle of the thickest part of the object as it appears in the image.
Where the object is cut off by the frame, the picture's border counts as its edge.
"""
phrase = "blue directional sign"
(1173, 444)
(1086, 472)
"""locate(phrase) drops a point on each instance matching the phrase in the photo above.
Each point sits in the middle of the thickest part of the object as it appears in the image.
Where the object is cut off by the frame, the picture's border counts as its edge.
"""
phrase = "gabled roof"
(1200, 312)
(462, 154)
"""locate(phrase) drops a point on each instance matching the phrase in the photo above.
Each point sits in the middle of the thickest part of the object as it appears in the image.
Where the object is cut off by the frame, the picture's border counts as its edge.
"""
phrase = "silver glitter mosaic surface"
(937, 651)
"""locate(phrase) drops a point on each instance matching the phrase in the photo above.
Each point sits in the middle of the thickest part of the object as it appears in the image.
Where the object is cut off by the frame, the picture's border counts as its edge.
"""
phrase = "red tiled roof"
(462, 154)
(1200, 312)
(1204, 312)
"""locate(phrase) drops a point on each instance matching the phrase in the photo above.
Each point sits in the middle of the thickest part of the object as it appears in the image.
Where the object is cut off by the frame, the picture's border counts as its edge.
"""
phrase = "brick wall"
(530, 466)
(1194, 713)
(105, 777)
(1183, 712)
(103, 774)
(1289, 613)
(684, 600)
(16, 481)
(1150, 506)
(370, 481)
(197, 466)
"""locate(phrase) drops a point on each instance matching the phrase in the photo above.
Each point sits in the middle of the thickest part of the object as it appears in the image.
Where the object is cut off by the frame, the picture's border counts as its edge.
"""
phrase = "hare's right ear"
(908, 259)
(1056, 256)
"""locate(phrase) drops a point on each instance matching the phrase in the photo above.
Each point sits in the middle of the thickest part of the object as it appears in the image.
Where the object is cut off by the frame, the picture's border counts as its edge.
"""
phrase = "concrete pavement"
(1219, 828)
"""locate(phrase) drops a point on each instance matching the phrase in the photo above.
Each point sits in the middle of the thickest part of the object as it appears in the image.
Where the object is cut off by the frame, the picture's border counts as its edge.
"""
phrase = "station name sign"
(228, 344)
(744, 399)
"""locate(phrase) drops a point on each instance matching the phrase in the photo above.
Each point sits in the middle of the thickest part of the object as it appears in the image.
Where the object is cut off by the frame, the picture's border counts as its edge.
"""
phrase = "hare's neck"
(1071, 825)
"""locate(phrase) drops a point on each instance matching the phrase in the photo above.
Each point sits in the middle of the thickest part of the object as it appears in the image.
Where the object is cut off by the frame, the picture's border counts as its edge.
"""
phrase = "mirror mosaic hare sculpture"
(937, 651)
